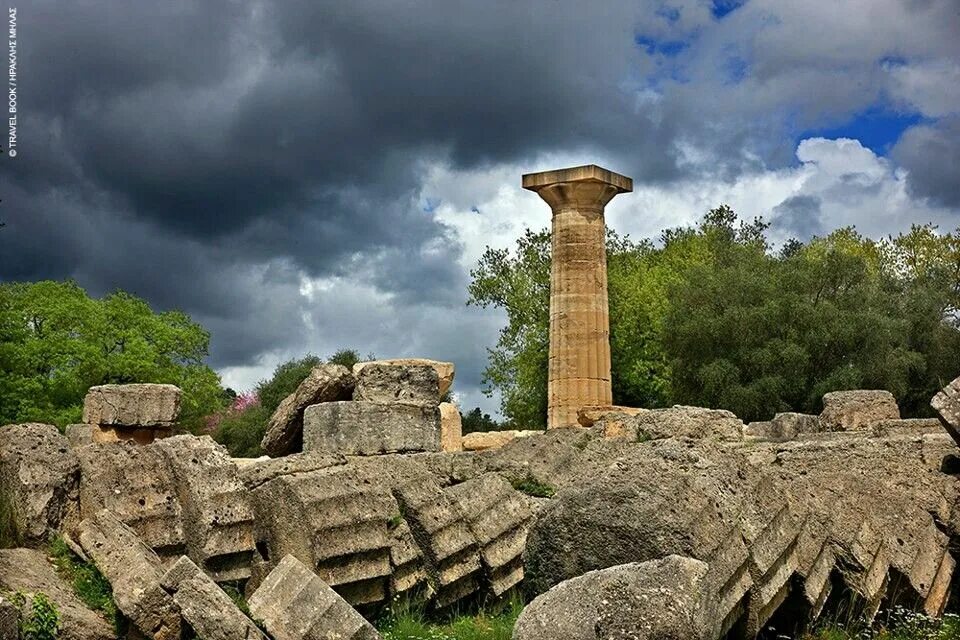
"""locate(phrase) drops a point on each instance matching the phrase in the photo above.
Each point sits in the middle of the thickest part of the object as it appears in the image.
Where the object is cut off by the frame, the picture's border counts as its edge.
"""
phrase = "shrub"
(41, 620)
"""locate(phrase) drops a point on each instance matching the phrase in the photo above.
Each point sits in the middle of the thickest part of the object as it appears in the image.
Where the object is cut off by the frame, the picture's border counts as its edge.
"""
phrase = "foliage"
(476, 420)
(408, 622)
(285, 380)
(897, 624)
(346, 357)
(88, 583)
(41, 621)
(713, 317)
(56, 342)
(533, 487)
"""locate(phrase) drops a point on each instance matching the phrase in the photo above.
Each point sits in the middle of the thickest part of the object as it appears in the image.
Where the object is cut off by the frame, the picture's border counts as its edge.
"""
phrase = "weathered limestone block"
(907, 427)
(444, 537)
(134, 572)
(370, 428)
(295, 604)
(386, 383)
(135, 484)
(326, 383)
(79, 435)
(406, 562)
(445, 370)
(654, 600)
(209, 611)
(217, 517)
(132, 405)
(336, 521)
(784, 426)
(687, 422)
(947, 405)
(499, 517)
(29, 572)
(39, 474)
(264, 470)
(10, 620)
(483, 440)
(857, 410)
(451, 427)
(588, 416)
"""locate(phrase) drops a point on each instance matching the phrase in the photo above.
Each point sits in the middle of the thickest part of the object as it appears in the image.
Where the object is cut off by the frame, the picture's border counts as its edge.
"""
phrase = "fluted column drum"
(579, 369)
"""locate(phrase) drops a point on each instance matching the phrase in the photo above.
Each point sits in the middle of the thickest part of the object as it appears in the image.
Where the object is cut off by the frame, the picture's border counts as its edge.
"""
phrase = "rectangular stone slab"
(370, 428)
(132, 405)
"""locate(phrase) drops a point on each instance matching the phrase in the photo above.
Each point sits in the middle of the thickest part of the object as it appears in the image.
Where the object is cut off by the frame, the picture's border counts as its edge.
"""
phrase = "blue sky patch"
(721, 8)
(876, 128)
(668, 48)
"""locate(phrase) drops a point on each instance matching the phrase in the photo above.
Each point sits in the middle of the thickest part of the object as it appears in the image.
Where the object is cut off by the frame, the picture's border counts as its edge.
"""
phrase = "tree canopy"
(712, 316)
(56, 342)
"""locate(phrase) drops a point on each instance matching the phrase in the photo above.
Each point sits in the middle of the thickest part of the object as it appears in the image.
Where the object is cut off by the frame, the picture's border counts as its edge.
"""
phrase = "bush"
(533, 487)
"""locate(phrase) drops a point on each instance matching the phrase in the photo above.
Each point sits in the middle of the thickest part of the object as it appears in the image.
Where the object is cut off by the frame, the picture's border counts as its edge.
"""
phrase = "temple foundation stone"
(579, 365)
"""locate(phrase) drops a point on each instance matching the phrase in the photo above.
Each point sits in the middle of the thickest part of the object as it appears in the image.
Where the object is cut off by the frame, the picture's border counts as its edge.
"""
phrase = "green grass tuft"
(897, 624)
(409, 622)
(533, 487)
(88, 583)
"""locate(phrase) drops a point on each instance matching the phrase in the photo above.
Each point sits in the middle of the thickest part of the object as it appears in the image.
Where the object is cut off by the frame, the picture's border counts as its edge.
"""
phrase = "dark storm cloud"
(208, 155)
(798, 216)
(932, 156)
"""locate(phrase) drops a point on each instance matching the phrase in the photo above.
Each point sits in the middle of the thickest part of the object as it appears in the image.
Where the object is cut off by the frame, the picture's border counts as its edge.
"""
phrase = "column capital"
(586, 187)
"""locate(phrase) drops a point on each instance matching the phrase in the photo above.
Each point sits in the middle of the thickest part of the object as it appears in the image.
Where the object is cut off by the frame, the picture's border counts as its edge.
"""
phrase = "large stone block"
(336, 521)
(656, 600)
(444, 536)
(947, 405)
(132, 405)
(686, 422)
(483, 440)
(209, 611)
(326, 383)
(784, 426)
(409, 383)
(499, 517)
(39, 476)
(295, 604)
(370, 428)
(218, 518)
(857, 410)
(134, 572)
(445, 370)
(29, 572)
(137, 485)
(451, 427)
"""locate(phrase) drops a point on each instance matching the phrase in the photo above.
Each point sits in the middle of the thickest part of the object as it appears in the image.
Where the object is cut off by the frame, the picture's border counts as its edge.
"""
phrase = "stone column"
(579, 369)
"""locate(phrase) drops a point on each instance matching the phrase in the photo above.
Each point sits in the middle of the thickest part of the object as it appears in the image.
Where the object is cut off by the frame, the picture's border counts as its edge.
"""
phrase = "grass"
(88, 583)
(897, 624)
(533, 487)
(408, 622)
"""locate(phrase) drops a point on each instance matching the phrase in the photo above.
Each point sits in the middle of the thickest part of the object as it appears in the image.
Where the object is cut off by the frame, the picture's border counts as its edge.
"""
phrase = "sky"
(303, 176)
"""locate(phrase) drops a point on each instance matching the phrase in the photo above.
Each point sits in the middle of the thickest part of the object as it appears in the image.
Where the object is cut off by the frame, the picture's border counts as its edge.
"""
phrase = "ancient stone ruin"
(741, 528)
(680, 523)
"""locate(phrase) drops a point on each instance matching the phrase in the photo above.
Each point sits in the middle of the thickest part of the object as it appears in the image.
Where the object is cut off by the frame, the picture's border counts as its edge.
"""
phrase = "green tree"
(477, 420)
(712, 316)
(346, 357)
(56, 342)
